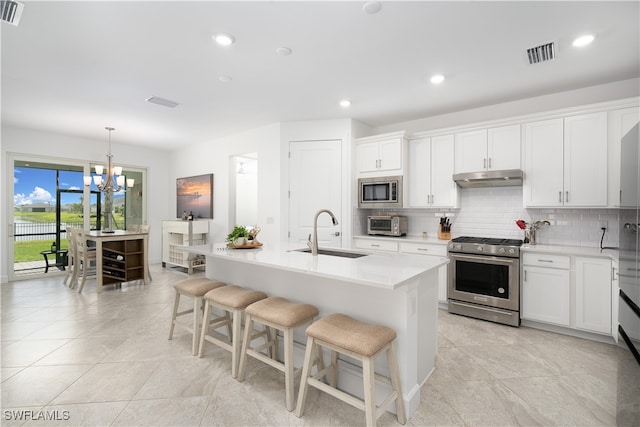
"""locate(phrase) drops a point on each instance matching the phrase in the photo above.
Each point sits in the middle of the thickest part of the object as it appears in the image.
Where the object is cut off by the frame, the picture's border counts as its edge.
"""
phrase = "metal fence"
(27, 231)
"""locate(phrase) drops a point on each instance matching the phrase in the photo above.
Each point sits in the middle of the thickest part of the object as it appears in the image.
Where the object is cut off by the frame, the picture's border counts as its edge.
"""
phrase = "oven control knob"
(512, 251)
(480, 249)
(501, 250)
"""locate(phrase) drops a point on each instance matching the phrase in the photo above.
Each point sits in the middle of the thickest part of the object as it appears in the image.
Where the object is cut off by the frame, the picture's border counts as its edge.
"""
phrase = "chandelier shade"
(109, 181)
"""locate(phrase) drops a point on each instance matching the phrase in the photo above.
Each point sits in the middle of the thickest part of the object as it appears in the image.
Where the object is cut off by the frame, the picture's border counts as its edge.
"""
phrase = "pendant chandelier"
(109, 181)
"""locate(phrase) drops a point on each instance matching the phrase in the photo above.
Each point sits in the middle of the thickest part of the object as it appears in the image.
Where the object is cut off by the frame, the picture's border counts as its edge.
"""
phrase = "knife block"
(443, 235)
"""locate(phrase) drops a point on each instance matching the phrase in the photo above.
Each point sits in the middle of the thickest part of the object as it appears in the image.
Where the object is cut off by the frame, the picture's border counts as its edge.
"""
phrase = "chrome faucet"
(313, 244)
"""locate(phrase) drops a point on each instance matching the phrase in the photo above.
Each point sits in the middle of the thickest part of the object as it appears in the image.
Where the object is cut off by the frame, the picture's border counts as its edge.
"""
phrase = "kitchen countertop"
(384, 270)
(412, 239)
(572, 250)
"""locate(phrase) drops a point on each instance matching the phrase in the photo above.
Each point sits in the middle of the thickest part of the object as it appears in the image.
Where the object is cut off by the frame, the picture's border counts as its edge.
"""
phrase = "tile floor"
(105, 360)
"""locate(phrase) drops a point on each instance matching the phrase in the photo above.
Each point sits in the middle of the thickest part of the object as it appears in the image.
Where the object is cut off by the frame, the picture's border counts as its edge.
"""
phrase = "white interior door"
(315, 182)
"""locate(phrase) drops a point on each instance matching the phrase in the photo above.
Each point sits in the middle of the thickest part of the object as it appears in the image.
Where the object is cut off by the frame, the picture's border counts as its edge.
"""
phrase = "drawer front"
(379, 245)
(423, 249)
(546, 260)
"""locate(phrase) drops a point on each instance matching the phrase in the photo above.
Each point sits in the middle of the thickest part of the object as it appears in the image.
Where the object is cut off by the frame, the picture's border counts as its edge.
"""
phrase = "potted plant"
(238, 236)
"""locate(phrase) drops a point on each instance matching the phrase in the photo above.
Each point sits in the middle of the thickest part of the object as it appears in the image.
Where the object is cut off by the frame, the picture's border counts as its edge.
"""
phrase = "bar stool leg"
(369, 391)
(306, 367)
(205, 328)
(176, 303)
(248, 328)
(289, 369)
(236, 333)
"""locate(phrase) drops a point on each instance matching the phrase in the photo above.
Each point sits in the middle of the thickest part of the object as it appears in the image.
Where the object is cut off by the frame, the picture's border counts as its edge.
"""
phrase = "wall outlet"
(602, 224)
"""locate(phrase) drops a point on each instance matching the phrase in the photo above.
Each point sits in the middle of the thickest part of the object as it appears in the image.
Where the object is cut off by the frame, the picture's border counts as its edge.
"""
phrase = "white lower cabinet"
(593, 294)
(426, 249)
(567, 290)
(545, 295)
(435, 250)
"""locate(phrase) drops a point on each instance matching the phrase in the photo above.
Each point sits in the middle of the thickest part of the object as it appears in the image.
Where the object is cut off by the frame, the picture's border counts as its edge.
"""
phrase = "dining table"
(101, 237)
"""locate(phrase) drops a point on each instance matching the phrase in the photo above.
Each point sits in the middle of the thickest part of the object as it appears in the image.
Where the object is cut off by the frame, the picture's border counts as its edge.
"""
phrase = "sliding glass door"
(48, 197)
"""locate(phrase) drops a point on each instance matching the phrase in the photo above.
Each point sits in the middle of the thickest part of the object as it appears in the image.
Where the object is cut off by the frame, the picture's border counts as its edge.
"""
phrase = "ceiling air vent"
(544, 52)
(11, 11)
(162, 101)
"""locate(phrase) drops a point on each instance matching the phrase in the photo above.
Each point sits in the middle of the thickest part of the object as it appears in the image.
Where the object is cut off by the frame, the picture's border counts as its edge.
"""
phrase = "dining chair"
(85, 255)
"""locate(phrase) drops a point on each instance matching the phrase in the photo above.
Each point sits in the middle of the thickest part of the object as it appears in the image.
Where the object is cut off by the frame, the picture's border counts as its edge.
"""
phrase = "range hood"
(502, 178)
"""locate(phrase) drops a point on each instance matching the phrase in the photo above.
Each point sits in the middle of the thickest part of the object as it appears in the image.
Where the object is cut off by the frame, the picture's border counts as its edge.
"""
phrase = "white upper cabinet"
(566, 162)
(585, 160)
(471, 151)
(382, 153)
(543, 163)
(488, 149)
(503, 148)
(620, 122)
(430, 183)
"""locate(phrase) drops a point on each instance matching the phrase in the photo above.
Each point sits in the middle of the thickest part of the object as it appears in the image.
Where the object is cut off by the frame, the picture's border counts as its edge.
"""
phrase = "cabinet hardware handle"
(560, 196)
(423, 249)
(489, 162)
(545, 260)
(432, 199)
(484, 163)
(633, 269)
(613, 274)
(375, 246)
(525, 275)
(567, 198)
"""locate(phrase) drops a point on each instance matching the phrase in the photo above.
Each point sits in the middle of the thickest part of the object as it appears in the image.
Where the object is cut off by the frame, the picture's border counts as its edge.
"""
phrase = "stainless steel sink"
(333, 252)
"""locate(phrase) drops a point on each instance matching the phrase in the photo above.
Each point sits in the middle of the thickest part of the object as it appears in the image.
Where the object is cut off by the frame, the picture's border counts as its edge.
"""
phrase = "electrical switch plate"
(602, 224)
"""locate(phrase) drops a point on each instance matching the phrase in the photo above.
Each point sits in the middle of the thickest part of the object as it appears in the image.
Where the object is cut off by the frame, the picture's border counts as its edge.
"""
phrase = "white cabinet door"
(545, 295)
(593, 294)
(622, 193)
(471, 151)
(390, 154)
(543, 163)
(503, 148)
(444, 191)
(585, 160)
(419, 181)
(620, 122)
(367, 157)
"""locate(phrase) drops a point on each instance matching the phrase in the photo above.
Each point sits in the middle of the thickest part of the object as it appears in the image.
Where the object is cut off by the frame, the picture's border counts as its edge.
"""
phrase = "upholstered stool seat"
(363, 342)
(195, 288)
(232, 300)
(283, 315)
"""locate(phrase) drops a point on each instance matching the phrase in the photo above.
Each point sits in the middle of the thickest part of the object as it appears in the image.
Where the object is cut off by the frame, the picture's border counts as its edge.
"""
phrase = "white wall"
(35, 143)
(213, 157)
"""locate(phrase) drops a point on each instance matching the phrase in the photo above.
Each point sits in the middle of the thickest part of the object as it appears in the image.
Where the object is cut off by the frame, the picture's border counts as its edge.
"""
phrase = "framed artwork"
(195, 194)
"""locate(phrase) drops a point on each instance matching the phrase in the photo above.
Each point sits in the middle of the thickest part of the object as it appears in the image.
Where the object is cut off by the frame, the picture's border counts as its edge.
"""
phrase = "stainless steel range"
(484, 279)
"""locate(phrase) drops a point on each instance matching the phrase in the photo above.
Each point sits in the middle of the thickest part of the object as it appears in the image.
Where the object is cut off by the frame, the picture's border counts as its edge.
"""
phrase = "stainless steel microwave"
(380, 192)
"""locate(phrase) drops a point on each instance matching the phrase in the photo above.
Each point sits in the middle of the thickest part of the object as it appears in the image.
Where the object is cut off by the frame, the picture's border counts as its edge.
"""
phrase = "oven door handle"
(484, 259)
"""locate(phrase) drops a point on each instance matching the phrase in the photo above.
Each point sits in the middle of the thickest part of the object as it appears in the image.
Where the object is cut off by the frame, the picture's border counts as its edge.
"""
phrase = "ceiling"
(76, 67)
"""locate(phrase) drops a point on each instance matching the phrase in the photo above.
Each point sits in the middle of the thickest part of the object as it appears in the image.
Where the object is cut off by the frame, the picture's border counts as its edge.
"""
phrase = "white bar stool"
(363, 342)
(233, 300)
(283, 315)
(195, 288)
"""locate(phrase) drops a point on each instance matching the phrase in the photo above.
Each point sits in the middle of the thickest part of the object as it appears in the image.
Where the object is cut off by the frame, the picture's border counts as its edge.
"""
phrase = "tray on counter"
(247, 246)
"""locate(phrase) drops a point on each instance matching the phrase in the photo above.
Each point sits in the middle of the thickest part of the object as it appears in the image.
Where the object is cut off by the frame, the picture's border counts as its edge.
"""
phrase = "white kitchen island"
(396, 290)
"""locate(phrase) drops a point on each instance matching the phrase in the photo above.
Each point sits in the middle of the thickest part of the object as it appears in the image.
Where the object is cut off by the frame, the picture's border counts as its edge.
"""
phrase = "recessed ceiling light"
(225, 79)
(345, 103)
(583, 40)
(372, 7)
(436, 79)
(283, 51)
(224, 39)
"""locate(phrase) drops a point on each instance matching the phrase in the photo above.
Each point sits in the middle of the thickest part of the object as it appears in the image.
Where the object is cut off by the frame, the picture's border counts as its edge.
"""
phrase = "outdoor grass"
(24, 251)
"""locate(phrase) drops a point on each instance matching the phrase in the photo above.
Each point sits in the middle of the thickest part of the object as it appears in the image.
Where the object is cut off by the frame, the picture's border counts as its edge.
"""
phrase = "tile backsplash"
(492, 212)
